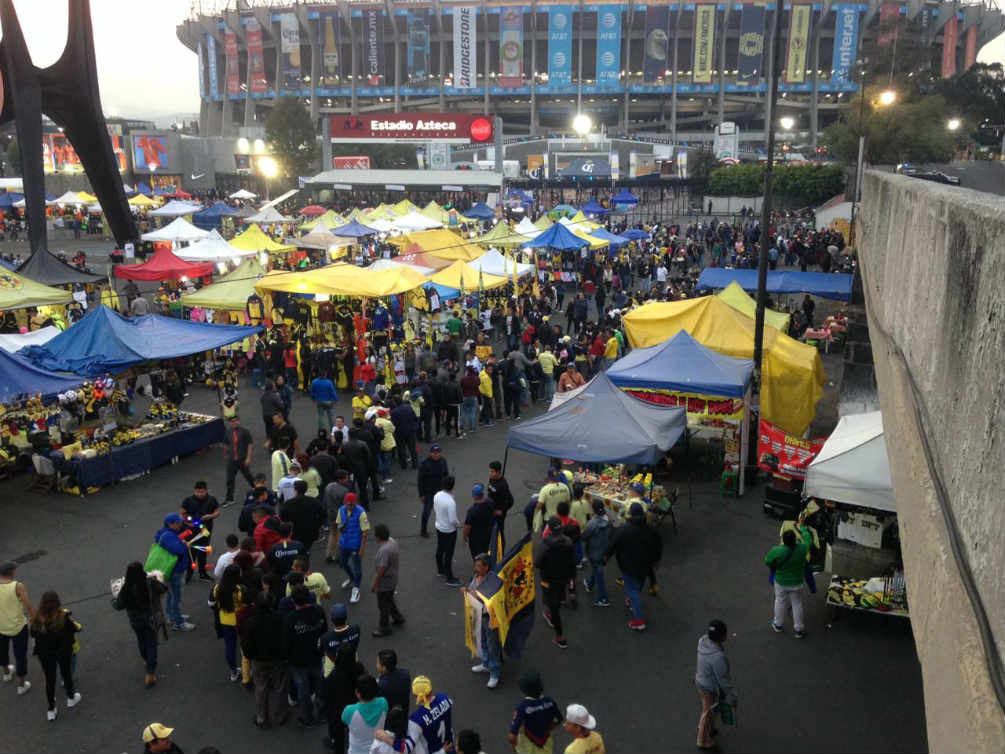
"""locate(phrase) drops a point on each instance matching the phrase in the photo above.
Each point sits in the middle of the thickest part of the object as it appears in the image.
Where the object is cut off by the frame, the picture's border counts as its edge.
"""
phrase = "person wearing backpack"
(787, 563)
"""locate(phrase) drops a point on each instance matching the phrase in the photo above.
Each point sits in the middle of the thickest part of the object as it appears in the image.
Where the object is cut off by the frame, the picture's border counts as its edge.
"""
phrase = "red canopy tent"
(164, 265)
(181, 194)
(313, 210)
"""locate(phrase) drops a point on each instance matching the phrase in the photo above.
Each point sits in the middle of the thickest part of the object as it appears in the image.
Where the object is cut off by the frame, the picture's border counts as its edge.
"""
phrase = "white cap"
(579, 715)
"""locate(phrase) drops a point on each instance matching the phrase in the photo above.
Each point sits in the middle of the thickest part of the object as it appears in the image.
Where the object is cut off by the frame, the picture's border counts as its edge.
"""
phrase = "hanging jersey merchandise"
(381, 318)
(361, 324)
(343, 318)
(326, 311)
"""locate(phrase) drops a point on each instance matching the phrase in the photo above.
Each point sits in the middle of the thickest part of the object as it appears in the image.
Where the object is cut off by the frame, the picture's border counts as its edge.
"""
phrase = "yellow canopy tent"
(357, 214)
(17, 292)
(442, 243)
(343, 280)
(255, 239)
(792, 372)
(734, 295)
(142, 200)
(501, 236)
(447, 217)
(461, 272)
(404, 207)
(327, 220)
(579, 217)
(85, 197)
(230, 292)
(595, 243)
(543, 223)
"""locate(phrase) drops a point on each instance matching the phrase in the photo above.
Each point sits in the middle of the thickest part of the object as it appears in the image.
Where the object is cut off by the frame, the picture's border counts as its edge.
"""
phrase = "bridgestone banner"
(465, 47)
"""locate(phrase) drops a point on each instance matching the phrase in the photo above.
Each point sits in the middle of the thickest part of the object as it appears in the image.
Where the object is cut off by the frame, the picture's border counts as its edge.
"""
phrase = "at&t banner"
(418, 44)
(256, 57)
(465, 47)
(799, 34)
(608, 45)
(511, 47)
(657, 50)
(751, 49)
(329, 31)
(704, 43)
(560, 45)
(289, 48)
(845, 43)
(202, 70)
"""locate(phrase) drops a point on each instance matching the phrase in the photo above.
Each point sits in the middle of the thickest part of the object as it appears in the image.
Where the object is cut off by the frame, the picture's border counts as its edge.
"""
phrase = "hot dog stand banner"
(699, 407)
(781, 453)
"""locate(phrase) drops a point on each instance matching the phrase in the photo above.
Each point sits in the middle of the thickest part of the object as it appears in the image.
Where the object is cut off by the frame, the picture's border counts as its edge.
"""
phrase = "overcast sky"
(143, 69)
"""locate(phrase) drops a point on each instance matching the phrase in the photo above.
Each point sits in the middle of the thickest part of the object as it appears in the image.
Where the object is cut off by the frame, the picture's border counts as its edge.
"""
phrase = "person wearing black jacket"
(272, 404)
(259, 495)
(556, 562)
(501, 497)
(406, 426)
(302, 631)
(357, 458)
(306, 514)
(394, 683)
(421, 388)
(53, 629)
(341, 688)
(637, 548)
(367, 432)
(140, 597)
(432, 472)
(452, 399)
(262, 644)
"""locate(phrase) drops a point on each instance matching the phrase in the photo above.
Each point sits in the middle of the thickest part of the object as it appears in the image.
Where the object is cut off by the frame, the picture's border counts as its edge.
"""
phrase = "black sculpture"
(66, 91)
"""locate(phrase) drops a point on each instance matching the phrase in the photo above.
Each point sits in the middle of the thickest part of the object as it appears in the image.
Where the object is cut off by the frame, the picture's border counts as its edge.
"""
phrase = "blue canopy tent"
(567, 209)
(18, 376)
(830, 285)
(480, 211)
(625, 197)
(593, 207)
(105, 341)
(636, 234)
(600, 424)
(8, 198)
(556, 237)
(354, 229)
(142, 188)
(212, 216)
(605, 235)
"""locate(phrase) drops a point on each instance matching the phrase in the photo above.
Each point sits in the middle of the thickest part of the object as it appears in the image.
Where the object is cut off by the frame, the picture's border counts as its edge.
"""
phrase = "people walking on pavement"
(596, 538)
(237, 454)
(581, 725)
(157, 740)
(324, 395)
(385, 580)
(430, 726)
(262, 644)
(167, 537)
(395, 683)
(534, 718)
(305, 513)
(713, 680)
(556, 564)
(787, 563)
(15, 612)
(229, 597)
(491, 648)
(140, 596)
(501, 497)
(340, 685)
(406, 428)
(432, 471)
(302, 632)
(334, 497)
(479, 521)
(366, 716)
(53, 630)
(353, 526)
(201, 508)
(637, 548)
(446, 523)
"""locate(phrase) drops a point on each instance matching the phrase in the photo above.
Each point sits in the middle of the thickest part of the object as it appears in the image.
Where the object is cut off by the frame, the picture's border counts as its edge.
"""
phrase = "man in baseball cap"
(479, 522)
(157, 740)
(580, 724)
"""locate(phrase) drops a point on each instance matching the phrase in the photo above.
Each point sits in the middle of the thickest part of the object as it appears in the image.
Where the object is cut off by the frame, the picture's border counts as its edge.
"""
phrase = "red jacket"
(266, 534)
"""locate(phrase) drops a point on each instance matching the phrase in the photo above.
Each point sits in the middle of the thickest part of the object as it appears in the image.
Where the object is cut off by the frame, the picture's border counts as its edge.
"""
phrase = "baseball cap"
(477, 491)
(173, 518)
(638, 487)
(339, 613)
(156, 731)
(435, 448)
(579, 715)
(636, 509)
(350, 497)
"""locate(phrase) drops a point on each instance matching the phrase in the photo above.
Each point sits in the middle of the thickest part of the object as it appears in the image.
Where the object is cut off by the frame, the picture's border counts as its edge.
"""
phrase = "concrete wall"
(933, 267)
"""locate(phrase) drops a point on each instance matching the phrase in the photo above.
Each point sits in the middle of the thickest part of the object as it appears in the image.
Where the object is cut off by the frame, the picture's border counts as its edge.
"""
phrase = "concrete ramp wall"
(933, 272)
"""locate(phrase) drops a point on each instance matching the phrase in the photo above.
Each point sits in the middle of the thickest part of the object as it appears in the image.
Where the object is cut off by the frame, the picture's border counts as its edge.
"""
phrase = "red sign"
(784, 454)
(357, 162)
(232, 76)
(256, 57)
(950, 38)
(458, 128)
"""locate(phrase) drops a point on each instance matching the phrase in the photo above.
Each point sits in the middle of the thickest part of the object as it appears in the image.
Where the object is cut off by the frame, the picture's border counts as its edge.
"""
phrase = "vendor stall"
(18, 292)
(823, 284)
(442, 243)
(45, 267)
(230, 292)
(212, 248)
(164, 265)
(177, 231)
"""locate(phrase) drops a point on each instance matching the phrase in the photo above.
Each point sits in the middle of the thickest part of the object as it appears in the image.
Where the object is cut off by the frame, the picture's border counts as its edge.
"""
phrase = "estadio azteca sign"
(457, 128)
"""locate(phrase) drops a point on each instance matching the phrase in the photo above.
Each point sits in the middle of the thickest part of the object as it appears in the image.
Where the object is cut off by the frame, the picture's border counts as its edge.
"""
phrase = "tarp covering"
(68, 198)
(213, 248)
(442, 243)
(636, 234)
(556, 237)
(463, 272)
(12, 343)
(593, 207)
(175, 208)
(213, 215)
(46, 268)
(853, 467)
(268, 215)
(230, 292)
(736, 297)
(612, 238)
(494, 263)
(793, 374)
(105, 341)
(343, 280)
(17, 292)
(602, 424)
(164, 265)
(529, 229)
(142, 200)
(255, 239)
(405, 207)
(387, 264)
(832, 285)
(542, 223)
(178, 230)
(313, 210)
(327, 220)
(683, 364)
(18, 376)
(319, 238)
(480, 211)
(624, 197)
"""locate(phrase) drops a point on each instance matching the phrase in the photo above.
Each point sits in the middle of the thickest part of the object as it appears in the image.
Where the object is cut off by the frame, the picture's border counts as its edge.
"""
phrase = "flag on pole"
(536, 283)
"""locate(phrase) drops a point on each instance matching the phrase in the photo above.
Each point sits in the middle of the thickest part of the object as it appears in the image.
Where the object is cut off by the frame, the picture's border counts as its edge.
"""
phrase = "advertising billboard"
(657, 49)
(465, 47)
(231, 75)
(609, 45)
(328, 23)
(751, 45)
(373, 46)
(214, 81)
(418, 44)
(511, 47)
(150, 152)
(560, 45)
(256, 57)
(289, 48)
(455, 128)
(351, 162)
(704, 43)
(845, 42)
(799, 36)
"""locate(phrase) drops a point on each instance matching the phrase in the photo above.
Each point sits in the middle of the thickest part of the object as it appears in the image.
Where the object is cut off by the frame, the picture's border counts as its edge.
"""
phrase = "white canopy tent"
(415, 221)
(178, 230)
(212, 248)
(176, 208)
(70, 197)
(243, 194)
(853, 467)
(387, 264)
(526, 228)
(492, 262)
(12, 343)
(382, 225)
(268, 215)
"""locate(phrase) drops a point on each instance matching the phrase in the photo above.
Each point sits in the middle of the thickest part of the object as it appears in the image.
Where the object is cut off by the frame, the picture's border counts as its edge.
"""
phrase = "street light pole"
(857, 191)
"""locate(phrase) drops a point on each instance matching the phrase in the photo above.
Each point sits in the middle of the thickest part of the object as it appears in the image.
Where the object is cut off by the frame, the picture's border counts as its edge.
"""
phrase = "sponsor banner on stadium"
(373, 46)
(608, 45)
(704, 43)
(782, 453)
(289, 48)
(457, 128)
(970, 57)
(214, 83)
(845, 43)
(511, 47)
(418, 44)
(202, 70)
(329, 30)
(150, 152)
(560, 45)
(465, 47)
(889, 20)
(352, 162)
(950, 36)
(256, 58)
(657, 51)
(700, 408)
(751, 45)
(231, 74)
(799, 35)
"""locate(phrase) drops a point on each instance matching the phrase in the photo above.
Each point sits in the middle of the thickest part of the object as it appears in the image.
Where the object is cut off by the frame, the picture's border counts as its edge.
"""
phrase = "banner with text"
(970, 56)
(202, 69)
(329, 36)
(465, 47)
(889, 23)
(704, 43)
(609, 45)
(418, 45)
(845, 43)
(256, 58)
(231, 73)
(373, 46)
(751, 45)
(701, 409)
(799, 34)
(289, 48)
(456, 128)
(781, 453)
(950, 36)
(214, 81)
(657, 50)
(510, 48)
(560, 45)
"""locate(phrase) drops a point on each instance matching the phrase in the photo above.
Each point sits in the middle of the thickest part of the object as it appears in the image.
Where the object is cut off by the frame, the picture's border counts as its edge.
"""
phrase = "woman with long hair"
(228, 594)
(53, 630)
(140, 596)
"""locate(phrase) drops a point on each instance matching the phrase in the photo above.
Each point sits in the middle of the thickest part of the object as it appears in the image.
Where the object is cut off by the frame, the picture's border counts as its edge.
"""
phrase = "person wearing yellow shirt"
(554, 492)
(360, 402)
(485, 391)
(547, 360)
(610, 351)
(228, 595)
(387, 443)
(581, 725)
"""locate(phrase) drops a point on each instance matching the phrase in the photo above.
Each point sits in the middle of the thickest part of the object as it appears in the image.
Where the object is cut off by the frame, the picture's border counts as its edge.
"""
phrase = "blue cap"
(173, 518)
(435, 448)
(339, 613)
(477, 492)
(554, 473)
(638, 487)
(636, 509)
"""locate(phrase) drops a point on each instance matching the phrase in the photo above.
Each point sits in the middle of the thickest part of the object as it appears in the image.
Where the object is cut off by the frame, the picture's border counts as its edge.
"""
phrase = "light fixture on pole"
(954, 124)
(582, 124)
(787, 123)
(269, 169)
(887, 97)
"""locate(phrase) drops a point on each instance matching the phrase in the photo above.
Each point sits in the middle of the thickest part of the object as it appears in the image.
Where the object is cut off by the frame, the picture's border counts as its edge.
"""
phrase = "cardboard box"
(863, 528)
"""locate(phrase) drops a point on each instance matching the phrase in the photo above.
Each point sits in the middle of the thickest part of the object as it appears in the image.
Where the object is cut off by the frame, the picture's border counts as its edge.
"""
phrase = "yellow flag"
(536, 285)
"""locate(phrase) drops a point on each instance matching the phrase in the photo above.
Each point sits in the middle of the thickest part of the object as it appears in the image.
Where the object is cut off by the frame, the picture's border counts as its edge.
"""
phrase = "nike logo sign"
(197, 177)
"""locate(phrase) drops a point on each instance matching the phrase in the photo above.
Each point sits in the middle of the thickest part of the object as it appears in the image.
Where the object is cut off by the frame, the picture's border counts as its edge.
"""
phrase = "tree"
(289, 131)
(976, 97)
(14, 156)
(801, 185)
